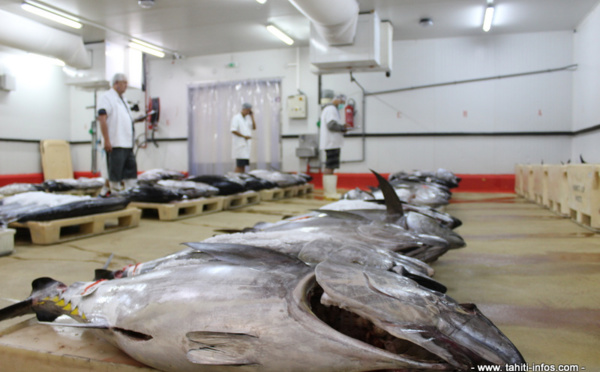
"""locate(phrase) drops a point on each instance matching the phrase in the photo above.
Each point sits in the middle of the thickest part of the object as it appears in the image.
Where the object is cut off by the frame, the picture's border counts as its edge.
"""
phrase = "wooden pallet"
(180, 209)
(56, 231)
(271, 194)
(241, 200)
(305, 189)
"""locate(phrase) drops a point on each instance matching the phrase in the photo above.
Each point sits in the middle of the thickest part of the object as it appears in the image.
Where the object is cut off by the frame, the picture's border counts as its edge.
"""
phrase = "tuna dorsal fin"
(392, 201)
(221, 348)
(581, 159)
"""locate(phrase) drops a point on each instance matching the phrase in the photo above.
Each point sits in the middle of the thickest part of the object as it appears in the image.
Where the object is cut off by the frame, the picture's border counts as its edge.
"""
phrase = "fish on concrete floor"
(233, 308)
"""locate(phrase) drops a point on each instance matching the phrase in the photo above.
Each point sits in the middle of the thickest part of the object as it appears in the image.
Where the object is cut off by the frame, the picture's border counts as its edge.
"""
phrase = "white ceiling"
(200, 27)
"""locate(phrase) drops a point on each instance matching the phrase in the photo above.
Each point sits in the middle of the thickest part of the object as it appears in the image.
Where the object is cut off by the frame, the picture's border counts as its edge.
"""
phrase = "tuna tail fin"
(392, 201)
(42, 290)
(15, 310)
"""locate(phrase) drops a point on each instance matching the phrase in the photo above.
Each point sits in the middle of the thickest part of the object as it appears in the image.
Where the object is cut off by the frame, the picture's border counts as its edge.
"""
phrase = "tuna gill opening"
(362, 329)
(137, 336)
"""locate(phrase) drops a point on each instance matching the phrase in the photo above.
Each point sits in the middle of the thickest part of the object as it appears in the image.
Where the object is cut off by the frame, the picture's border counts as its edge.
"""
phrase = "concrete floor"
(534, 274)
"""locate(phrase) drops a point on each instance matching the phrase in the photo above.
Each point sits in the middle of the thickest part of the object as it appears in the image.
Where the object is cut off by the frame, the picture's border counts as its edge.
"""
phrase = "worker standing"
(242, 125)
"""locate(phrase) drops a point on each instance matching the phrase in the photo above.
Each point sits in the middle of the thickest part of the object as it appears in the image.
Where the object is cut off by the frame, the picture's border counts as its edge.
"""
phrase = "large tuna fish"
(243, 308)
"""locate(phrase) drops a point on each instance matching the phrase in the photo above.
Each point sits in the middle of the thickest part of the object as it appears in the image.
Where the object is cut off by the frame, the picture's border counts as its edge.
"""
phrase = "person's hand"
(107, 146)
(247, 137)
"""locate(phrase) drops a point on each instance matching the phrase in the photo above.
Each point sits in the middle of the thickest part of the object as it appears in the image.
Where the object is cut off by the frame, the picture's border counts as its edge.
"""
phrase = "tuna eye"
(137, 336)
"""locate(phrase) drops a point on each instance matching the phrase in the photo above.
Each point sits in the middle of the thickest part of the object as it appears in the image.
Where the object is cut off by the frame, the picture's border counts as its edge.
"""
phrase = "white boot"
(330, 187)
(115, 186)
(130, 183)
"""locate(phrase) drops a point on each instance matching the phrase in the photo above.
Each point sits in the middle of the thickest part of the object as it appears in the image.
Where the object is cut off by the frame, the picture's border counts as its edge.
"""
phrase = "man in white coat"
(331, 139)
(331, 132)
(116, 125)
(242, 125)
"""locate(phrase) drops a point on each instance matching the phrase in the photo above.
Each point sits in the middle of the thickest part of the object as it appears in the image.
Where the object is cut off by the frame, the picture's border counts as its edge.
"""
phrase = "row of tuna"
(40, 202)
(346, 287)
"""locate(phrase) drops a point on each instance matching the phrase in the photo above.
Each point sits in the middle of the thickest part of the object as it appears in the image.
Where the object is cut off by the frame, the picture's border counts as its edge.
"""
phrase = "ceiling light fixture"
(488, 17)
(52, 14)
(280, 34)
(261, 1)
(147, 48)
(425, 22)
(146, 4)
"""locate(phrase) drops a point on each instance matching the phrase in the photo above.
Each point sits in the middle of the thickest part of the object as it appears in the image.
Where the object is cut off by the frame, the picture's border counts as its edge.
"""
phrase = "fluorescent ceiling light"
(49, 13)
(488, 18)
(147, 48)
(261, 1)
(280, 34)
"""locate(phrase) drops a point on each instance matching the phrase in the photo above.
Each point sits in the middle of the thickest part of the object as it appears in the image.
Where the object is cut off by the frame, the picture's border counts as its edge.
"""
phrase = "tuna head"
(414, 321)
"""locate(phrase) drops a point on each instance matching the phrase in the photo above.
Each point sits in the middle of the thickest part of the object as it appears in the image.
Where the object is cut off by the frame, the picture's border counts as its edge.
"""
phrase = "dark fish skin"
(77, 209)
(152, 193)
(225, 186)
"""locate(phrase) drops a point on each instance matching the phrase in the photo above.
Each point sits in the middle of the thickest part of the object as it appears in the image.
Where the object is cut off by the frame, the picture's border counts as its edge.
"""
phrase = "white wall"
(586, 88)
(533, 103)
(37, 108)
(44, 107)
(169, 80)
(525, 104)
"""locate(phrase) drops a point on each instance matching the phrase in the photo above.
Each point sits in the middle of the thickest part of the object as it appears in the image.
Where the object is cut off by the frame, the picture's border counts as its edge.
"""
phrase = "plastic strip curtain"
(211, 107)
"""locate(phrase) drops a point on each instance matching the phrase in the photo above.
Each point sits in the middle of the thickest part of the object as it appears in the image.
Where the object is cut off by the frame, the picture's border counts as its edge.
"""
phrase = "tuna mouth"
(362, 329)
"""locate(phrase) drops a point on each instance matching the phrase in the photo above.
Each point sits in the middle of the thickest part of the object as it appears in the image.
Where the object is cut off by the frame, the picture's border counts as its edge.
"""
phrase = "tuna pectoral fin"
(425, 281)
(18, 309)
(220, 348)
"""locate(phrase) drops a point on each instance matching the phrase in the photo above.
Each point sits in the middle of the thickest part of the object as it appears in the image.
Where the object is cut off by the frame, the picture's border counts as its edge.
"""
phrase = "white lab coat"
(118, 120)
(329, 139)
(240, 147)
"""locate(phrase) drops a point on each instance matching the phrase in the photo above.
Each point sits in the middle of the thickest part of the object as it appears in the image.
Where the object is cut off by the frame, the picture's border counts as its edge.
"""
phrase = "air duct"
(334, 20)
(30, 36)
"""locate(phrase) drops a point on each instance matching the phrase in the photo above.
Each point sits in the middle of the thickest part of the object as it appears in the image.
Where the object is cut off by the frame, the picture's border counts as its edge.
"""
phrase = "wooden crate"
(56, 231)
(539, 188)
(180, 209)
(527, 182)
(584, 194)
(271, 194)
(241, 200)
(558, 189)
(519, 179)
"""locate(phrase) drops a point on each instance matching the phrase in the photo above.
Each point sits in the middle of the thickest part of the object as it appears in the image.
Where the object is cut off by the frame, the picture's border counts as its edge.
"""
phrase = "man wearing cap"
(242, 125)
(331, 132)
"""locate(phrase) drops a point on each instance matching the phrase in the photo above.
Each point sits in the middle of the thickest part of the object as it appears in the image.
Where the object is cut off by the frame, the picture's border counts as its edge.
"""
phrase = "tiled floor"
(534, 274)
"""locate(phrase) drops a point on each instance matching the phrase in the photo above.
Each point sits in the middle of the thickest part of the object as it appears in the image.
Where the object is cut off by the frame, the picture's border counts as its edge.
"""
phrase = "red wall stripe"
(504, 183)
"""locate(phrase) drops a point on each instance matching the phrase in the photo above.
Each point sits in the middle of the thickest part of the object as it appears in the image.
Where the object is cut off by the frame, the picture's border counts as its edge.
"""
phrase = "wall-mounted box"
(7, 82)
(296, 106)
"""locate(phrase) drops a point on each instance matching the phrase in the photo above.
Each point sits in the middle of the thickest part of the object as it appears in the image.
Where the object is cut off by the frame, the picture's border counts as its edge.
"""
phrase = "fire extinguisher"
(349, 112)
